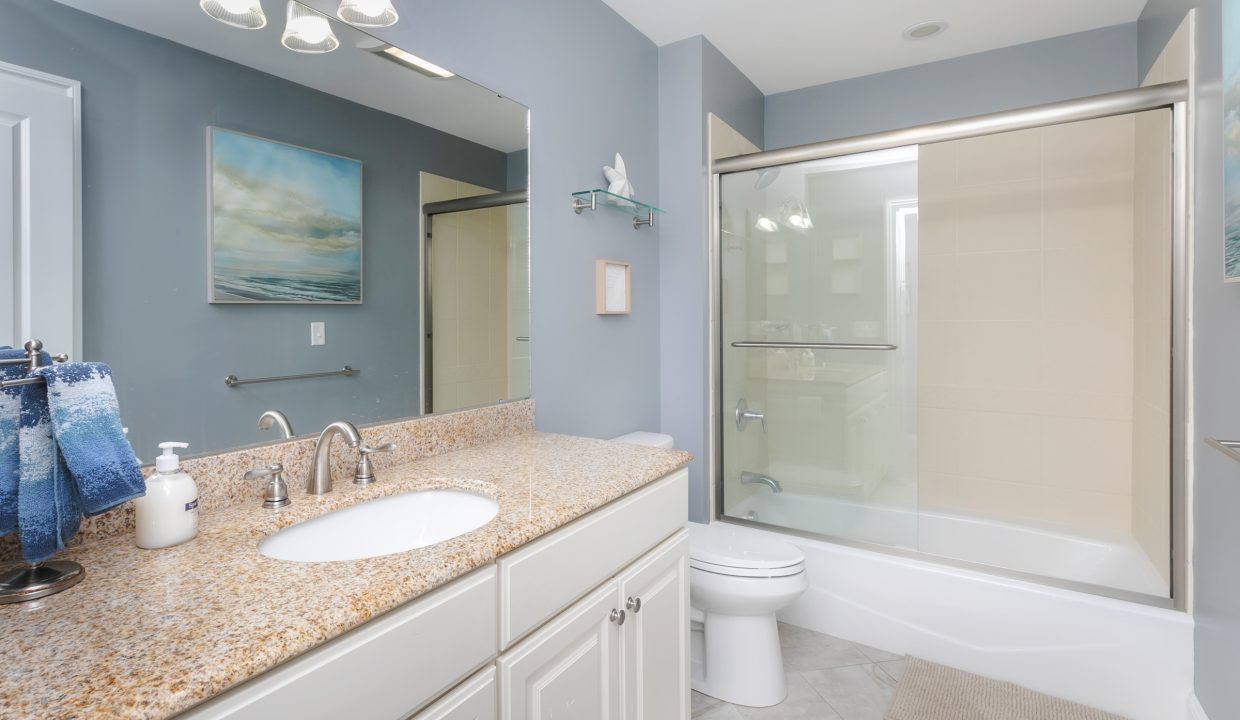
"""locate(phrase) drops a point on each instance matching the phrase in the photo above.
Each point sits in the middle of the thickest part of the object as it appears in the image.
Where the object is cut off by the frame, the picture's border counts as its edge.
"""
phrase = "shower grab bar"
(1230, 448)
(813, 346)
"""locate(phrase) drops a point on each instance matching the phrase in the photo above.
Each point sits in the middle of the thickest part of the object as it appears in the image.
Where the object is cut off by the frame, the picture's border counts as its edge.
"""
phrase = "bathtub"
(1125, 657)
(1047, 550)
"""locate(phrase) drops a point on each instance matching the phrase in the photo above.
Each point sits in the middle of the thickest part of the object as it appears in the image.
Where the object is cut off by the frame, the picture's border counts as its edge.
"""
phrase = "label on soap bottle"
(191, 505)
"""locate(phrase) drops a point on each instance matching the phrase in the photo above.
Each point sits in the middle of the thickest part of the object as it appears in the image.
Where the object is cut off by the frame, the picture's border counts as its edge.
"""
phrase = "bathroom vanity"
(576, 593)
(593, 615)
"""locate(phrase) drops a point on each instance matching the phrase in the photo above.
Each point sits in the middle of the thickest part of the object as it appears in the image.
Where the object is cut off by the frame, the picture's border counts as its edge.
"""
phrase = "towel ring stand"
(30, 582)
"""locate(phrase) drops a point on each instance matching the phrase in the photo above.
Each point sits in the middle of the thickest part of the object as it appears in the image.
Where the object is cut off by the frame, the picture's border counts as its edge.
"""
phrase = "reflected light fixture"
(367, 13)
(794, 214)
(765, 224)
(408, 59)
(244, 14)
(306, 31)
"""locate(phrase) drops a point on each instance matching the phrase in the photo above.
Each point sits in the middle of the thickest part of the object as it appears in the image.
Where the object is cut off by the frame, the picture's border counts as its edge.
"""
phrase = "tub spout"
(753, 478)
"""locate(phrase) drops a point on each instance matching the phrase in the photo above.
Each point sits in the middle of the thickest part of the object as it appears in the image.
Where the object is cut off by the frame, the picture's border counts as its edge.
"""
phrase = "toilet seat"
(719, 549)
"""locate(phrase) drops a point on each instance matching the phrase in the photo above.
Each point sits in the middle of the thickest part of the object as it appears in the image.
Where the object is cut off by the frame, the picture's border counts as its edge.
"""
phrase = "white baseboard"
(1195, 711)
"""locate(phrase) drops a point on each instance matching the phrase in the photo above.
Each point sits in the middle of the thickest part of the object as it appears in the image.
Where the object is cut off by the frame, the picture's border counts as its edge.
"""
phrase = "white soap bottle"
(168, 514)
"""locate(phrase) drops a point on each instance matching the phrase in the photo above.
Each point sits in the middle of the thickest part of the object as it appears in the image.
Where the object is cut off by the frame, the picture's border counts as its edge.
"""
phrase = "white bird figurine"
(617, 179)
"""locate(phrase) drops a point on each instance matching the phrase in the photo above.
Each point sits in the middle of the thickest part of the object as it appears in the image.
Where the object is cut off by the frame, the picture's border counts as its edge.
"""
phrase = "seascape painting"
(286, 223)
(1231, 137)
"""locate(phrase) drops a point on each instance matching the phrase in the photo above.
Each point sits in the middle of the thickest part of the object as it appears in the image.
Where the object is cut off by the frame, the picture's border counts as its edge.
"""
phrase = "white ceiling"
(788, 44)
(455, 105)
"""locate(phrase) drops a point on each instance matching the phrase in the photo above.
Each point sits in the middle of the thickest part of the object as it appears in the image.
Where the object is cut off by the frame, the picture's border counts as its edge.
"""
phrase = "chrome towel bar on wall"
(234, 381)
(1230, 448)
(813, 346)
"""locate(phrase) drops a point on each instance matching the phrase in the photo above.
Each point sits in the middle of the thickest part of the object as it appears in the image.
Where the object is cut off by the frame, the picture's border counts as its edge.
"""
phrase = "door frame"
(40, 280)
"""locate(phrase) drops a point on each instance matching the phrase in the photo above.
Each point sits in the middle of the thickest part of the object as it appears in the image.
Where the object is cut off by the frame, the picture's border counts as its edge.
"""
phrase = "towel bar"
(1230, 448)
(30, 582)
(234, 381)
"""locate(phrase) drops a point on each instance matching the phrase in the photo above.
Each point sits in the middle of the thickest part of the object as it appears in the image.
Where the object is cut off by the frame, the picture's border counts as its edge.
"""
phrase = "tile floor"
(828, 679)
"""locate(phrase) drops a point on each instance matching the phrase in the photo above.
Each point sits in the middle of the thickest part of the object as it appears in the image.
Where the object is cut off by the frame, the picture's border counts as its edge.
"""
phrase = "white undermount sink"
(382, 526)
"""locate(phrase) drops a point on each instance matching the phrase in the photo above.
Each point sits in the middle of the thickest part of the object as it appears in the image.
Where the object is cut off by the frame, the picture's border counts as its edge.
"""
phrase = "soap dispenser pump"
(168, 514)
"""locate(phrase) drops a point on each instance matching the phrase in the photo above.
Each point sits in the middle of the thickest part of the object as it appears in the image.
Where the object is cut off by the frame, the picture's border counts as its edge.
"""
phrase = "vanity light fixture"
(306, 31)
(765, 224)
(244, 14)
(408, 59)
(367, 13)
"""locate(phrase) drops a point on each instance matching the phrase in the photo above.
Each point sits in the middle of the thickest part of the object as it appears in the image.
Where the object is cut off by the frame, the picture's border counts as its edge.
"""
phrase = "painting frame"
(214, 295)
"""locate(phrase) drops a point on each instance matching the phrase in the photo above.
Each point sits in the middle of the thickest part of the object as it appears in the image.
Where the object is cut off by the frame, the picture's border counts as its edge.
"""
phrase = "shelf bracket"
(580, 204)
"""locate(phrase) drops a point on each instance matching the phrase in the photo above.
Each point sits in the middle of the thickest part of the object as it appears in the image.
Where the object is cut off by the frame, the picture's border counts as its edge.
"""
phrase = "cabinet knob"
(634, 604)
(617, 616)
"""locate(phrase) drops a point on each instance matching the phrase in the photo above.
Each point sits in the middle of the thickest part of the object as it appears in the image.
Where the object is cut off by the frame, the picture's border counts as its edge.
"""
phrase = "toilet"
(737, 582)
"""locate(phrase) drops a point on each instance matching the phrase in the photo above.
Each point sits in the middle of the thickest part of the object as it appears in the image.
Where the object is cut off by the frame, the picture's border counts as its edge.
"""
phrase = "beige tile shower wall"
(468, 275)
(1025, 309)
(1151, 431)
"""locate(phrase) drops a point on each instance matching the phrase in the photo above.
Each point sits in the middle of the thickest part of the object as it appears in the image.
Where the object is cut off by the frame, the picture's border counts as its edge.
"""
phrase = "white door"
(568, 670)
(40, 236)
(655, 595)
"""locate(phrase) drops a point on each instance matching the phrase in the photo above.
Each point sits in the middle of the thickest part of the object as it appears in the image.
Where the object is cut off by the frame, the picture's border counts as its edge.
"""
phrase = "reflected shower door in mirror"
(252, 211)
(818, 372)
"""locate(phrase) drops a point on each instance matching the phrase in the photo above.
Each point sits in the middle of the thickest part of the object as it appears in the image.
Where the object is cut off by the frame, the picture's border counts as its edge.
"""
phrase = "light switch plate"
(318, 333)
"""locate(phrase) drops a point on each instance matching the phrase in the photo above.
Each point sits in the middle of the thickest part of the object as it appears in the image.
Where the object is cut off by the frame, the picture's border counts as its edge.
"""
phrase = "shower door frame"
(1173, 96)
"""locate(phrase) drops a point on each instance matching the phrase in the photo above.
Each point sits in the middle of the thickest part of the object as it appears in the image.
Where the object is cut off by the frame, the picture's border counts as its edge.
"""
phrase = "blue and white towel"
(49, 510)
(87, 424)
(10, 424)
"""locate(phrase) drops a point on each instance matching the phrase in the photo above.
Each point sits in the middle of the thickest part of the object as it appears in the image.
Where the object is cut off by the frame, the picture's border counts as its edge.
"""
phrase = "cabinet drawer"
(387, 668)
(546, 576)
(473, 700)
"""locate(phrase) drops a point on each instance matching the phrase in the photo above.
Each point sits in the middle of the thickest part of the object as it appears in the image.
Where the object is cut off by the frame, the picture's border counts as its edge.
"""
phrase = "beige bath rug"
(929, 691)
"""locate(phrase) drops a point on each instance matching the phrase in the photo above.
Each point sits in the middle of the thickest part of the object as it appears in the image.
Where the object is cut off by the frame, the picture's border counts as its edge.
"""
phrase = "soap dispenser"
(168, 514)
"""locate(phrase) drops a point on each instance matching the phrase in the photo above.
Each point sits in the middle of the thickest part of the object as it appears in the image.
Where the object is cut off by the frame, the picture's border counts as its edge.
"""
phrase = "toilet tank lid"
(649, 439)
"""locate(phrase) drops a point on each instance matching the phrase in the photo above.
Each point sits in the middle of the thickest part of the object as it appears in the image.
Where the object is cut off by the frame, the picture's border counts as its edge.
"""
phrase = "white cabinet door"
(655, 653)
(569, 669)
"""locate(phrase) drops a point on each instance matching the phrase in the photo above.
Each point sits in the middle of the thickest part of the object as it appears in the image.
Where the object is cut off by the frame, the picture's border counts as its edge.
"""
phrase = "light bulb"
(367, 13)
(244, 14)
(306, 31)
(765, 224)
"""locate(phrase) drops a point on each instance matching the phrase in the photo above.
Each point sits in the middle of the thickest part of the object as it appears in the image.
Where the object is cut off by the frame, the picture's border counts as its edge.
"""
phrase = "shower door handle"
(744, 416)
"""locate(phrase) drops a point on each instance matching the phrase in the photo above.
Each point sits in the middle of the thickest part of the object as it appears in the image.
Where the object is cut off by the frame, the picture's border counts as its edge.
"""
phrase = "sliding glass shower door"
(818, 295)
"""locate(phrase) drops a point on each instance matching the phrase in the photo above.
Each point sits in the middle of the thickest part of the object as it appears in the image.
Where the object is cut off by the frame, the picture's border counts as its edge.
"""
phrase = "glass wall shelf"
(591, 199)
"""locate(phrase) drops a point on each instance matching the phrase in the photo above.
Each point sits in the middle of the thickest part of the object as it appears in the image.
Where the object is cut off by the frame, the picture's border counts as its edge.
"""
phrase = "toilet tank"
(649, 439)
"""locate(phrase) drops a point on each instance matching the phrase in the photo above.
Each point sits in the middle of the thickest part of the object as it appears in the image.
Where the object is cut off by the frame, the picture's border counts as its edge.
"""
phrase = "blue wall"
(1216, 347)
(146, 105)
(1059, 68)
(591, 82)
(694, 79)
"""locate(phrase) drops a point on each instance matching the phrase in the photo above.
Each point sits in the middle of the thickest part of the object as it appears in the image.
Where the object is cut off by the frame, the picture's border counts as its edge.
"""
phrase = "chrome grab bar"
(813, 346)
(234, 381)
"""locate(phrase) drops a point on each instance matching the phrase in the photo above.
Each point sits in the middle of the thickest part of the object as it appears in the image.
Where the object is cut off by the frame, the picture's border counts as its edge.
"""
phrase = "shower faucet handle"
(744, 416)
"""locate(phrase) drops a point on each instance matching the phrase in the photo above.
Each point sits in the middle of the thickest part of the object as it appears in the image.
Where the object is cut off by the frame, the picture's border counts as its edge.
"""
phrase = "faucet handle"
(277, 490)
(365, 473)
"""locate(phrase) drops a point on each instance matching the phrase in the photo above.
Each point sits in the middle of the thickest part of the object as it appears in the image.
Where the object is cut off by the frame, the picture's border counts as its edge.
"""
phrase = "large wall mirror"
(280, 201)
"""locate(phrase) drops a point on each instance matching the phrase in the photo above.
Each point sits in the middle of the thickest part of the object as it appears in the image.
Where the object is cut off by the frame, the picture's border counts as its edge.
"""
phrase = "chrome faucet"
(277, 418)
(753, 478)
(321, 474)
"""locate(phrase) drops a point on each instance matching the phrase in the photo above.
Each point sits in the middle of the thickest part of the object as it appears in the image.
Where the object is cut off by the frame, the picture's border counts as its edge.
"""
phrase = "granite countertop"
(150, 633)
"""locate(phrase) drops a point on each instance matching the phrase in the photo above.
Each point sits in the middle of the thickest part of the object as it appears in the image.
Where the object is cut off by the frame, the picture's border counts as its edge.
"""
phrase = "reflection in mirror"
(253, 212)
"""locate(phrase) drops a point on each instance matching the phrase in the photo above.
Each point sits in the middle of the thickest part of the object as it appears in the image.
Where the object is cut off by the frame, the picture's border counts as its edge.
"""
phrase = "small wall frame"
(613, 287)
